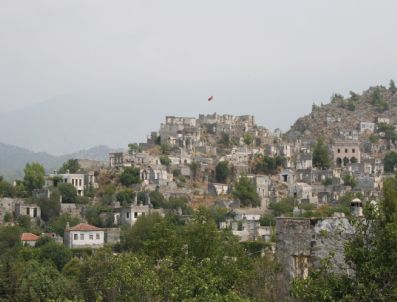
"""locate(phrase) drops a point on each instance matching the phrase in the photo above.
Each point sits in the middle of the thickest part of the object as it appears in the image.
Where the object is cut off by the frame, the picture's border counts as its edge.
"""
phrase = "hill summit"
(345, 117)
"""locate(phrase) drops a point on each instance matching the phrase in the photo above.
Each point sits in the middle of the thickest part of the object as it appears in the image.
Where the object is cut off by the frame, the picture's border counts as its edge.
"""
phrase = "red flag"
(210, 98)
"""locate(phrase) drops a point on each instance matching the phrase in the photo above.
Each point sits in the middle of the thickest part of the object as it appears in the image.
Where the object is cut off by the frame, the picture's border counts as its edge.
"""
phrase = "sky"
(272, 59)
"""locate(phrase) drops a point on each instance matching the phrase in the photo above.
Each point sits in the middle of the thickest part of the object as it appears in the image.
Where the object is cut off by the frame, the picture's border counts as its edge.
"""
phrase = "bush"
(222, 171)
(68, 193)
(245, 191)
(130, 176)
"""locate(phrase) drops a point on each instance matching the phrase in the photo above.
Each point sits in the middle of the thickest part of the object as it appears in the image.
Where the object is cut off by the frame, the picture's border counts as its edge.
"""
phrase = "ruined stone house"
(302, 243)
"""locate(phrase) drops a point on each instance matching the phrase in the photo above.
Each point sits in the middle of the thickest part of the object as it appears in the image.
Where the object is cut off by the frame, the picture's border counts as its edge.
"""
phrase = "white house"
(367, 127)
(84, 235)
(130, 214)
(77, 180)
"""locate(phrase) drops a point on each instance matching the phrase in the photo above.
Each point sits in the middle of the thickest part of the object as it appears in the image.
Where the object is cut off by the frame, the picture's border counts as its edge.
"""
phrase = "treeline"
(158, 259)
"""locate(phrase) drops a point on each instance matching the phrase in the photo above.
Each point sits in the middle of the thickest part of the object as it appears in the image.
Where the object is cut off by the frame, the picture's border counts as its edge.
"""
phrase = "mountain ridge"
(13, 159)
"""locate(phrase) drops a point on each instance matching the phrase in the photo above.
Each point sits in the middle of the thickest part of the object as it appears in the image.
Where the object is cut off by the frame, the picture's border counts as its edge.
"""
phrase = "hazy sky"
(272, 59)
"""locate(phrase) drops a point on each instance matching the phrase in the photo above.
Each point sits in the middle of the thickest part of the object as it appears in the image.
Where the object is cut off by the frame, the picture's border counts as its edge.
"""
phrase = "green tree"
(133, 148)
(40, 282)
(389, 132)
(370, 254)
(378, 101)
(9, 238)
(58, 225)
(245, 191)
(157, 199)
(268, 165)
(349, 180)
(165, 149)
(336, 97)
(24, 222)
(195, 169)
(225, 141)
(57, 253)
(165, 160)
(268, 219)
(390, 162)
(130, 175)
(392, 87)
(125, 196)
(132, 239)
(354, 96)
(50, 208)
(248, 139)
(222, 171)
(72, 166)
(321, 155)
(373, 139)
(284, 207)
(6, 189)
(125, 277)
(68, 193)
(34, 176)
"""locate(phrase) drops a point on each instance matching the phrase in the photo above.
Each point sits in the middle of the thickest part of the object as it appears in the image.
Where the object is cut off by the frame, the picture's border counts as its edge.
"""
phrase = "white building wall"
(86, 239)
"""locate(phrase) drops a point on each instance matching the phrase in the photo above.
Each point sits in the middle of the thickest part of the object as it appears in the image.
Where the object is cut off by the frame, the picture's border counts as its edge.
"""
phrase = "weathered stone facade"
(301, 243)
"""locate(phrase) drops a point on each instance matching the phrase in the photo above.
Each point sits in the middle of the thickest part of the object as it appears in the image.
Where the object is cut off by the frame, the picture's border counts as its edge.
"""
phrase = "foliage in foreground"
(158, 259)
(371, 258)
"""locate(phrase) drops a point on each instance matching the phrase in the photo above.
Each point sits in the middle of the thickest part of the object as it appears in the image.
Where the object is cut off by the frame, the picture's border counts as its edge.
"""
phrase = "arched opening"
(345, 161)
(353, 160)
(339, 161)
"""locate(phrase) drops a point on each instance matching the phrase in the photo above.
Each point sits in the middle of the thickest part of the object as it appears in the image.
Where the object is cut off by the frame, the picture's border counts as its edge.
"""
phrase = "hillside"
(13, 159)
(343, 115)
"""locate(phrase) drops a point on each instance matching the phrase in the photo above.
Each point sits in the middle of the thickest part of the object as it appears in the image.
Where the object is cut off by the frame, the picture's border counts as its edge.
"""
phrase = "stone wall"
(301, 243)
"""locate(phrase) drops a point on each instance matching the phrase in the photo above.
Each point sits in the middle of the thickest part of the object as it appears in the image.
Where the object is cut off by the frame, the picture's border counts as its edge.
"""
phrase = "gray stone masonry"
(303, 242)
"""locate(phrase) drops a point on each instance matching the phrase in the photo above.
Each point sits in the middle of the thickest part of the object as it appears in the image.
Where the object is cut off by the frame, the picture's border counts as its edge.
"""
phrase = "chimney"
(356, 207)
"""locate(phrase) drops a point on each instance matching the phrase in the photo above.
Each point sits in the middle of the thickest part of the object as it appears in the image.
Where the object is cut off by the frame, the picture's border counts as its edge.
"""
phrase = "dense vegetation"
(158, 259)
(371, 258)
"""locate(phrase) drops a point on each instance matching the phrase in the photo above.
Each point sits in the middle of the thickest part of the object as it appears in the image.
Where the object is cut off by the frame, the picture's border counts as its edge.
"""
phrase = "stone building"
(303, 242)
(116, 160)
(31, 210)
(345, 152)
(129, 214)
(76, 180)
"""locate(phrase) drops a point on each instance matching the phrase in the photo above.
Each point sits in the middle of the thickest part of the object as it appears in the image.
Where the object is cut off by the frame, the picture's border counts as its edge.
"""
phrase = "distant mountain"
(343, 115)
(67, 123)
(13, 159)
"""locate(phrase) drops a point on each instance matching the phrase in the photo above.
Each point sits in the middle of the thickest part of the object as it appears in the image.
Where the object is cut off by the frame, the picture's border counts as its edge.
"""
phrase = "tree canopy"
(222, 171)
(321, 157)
(390, 162)
(34, 176)
(370, 255)
(245, 191)
(71, 166)
(129, 176)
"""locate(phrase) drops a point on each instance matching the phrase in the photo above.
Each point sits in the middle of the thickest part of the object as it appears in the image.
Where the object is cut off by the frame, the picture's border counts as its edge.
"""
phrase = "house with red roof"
(29, 239)
(84, 235)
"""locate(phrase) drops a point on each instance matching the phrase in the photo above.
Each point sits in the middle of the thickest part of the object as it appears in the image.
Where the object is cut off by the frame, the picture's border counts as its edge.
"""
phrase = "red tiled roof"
(29, 237)
(84, 227)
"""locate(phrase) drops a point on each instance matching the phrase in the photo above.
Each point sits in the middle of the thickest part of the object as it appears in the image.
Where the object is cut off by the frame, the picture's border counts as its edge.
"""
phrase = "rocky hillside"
(342, 116)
